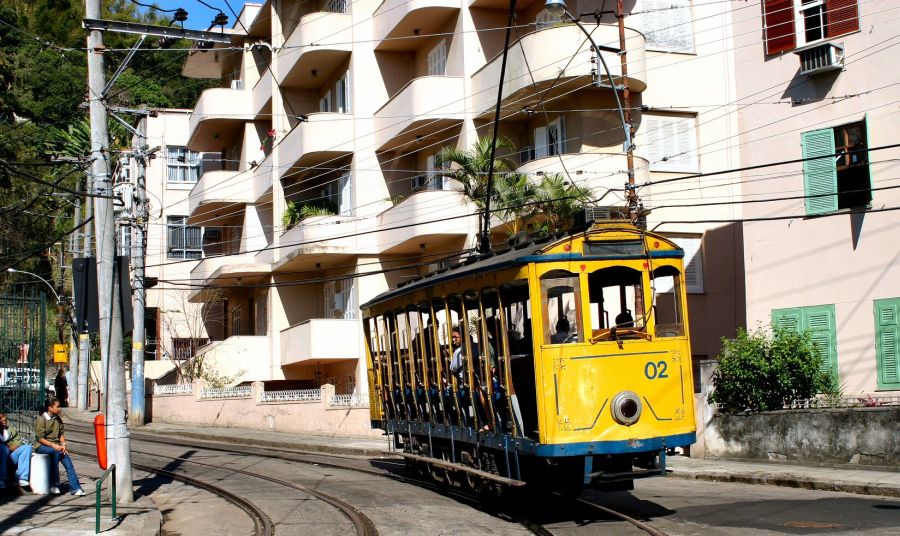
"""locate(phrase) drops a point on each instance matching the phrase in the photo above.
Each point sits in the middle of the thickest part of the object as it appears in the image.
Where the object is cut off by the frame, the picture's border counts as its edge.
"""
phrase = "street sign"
(60, 353)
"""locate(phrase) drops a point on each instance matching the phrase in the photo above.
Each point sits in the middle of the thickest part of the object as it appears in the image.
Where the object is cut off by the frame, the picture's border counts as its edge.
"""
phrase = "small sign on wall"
(60, 353)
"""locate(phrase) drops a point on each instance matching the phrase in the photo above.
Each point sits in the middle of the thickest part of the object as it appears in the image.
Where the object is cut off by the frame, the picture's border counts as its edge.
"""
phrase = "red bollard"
(100, 437)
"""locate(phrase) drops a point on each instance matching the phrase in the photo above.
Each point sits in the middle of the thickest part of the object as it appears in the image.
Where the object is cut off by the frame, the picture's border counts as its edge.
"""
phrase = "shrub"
(759, 372)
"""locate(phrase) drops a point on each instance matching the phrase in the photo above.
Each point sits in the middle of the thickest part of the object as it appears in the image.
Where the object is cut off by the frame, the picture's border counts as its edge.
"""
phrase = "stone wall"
(314, 417)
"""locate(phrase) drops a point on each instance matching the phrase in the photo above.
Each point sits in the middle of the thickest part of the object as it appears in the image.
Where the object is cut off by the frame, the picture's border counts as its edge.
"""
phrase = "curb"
(305, 447)
(789, 482)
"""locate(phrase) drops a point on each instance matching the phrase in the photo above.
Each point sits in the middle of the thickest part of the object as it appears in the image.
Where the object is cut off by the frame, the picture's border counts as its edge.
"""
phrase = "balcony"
(321, 138)
(304, 244)
(592, 168)
(549, 52)
(228, 266)
(425, 217)
(316, 47)
(219, 116)
(261, 106)
(321, 340)
(217, 193)
(426, 106)
(499, 4)
(408, 18)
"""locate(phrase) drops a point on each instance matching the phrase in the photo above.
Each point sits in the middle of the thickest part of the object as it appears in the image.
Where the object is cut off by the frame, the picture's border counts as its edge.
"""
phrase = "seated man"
(562, 332)
(12, 447)
(624, 319)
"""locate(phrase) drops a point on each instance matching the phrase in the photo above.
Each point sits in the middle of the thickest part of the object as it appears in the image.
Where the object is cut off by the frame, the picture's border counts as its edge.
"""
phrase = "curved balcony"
(322, 137)
(261, 106)
(303, 245)
(591, 169)
(427, 217)
(227, 266)
(217, 118)
(546, 62)
(409, 18)
(321, 340)
(316, 47)
(425, 106)
(216, 193)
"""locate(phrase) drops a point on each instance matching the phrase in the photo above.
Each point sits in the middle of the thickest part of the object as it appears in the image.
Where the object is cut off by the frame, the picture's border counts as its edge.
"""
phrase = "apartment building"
(329, 118)
(175, 327)
(815, 83)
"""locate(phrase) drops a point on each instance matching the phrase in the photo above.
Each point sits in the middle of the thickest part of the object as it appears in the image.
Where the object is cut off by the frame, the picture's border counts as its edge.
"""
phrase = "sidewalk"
(846, 479)
(54, 515)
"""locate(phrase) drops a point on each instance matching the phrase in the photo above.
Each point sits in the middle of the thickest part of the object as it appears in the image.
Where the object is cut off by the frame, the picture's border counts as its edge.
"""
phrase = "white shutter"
(693, 262)
(666, 24)
(325, 102)
(437, 59)
(671, 138)
(540, 142)
(346, 198)
(556, 134)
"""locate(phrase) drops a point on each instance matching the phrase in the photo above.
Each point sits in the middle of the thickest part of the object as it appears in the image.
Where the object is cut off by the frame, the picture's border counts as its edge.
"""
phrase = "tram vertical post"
(111, 353)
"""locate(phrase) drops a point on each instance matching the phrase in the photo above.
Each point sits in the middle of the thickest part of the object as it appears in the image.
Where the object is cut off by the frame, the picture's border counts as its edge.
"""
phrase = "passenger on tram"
(624, 319)
(562, 332)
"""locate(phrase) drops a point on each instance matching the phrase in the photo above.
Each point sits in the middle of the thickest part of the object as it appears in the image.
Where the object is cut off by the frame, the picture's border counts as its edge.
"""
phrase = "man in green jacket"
(50, 439)
(13, 447)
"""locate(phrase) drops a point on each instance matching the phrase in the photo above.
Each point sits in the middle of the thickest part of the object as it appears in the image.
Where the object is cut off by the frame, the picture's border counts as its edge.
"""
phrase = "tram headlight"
(626, 408)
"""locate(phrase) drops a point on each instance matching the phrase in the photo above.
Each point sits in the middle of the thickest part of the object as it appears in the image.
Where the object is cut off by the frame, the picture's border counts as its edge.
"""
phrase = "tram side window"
(616, 298)
(523, 392)
(667, 302)
(518, 316)
(561, 294)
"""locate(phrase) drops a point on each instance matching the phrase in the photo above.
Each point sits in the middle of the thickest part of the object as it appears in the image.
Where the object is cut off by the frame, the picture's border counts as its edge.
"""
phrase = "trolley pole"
(138, 239)
(112, 356)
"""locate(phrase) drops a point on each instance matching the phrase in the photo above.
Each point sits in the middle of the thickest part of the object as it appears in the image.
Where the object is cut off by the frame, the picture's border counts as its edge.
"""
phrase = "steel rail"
(295, 456)
(262, 523)
(652, 531)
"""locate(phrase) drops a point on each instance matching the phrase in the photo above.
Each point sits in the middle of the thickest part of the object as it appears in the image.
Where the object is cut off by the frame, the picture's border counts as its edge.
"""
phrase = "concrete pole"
(74, 357)
(138, 237)
(84, 348)
(112, 356)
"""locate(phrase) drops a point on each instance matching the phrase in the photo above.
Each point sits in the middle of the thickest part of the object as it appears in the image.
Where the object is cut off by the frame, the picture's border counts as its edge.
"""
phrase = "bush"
(758, 372)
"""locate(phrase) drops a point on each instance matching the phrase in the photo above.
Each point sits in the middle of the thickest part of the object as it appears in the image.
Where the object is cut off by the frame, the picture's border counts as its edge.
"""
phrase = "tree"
(759, 372)
(472, 166)
(558, 200)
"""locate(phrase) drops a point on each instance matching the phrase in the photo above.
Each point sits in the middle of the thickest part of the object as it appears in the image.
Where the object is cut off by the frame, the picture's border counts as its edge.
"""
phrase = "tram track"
(322, 460)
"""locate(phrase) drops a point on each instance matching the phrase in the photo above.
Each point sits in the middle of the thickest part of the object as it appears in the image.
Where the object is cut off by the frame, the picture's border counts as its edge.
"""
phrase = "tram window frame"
(670, 277)
(573, 281)
(601, 316)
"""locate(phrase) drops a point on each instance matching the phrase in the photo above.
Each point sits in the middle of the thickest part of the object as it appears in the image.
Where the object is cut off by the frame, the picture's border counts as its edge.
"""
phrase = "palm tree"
(558, 200)
(472, 166)
(514, 197)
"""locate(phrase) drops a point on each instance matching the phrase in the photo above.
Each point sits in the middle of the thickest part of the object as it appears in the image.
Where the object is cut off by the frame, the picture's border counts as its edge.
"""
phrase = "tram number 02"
(656, 370)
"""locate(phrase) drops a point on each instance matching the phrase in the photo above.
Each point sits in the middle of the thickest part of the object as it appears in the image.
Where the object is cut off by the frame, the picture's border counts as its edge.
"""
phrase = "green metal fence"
(23, 358)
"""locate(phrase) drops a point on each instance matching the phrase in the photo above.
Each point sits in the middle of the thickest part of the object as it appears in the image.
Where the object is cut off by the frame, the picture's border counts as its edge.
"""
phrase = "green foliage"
(296, 212)
(758, 372)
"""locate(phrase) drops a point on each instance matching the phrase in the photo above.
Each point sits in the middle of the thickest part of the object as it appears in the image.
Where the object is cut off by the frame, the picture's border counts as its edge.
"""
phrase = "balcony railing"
(177, 389)
(295, 395)
(241, 391)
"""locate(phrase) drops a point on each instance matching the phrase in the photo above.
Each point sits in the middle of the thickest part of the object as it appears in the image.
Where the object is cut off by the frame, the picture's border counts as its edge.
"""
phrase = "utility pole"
(75, 361)
(112, 356)
(631, 196)
(84, 348)
(138, 240)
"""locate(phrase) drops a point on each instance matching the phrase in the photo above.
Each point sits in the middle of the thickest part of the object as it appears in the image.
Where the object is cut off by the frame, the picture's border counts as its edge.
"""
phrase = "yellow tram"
(564, 363)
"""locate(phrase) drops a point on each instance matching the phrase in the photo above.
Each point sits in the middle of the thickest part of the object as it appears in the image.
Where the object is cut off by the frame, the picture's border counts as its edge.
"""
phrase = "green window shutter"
(819, 320)
(786, 318)
(819, 175)
(887, 334)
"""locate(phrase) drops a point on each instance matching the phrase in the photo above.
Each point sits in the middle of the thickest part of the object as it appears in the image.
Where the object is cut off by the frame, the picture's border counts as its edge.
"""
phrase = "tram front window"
(561, 295)
(667, 302)
(616, 298)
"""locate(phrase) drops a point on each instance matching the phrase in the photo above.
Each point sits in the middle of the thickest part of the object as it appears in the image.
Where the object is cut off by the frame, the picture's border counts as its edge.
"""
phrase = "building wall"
(849, 258)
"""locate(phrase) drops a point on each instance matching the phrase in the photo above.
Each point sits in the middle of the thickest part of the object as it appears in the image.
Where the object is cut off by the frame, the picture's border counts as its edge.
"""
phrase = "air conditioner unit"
(821, 58)
(212, 235)
(237, 84)
(605, 213)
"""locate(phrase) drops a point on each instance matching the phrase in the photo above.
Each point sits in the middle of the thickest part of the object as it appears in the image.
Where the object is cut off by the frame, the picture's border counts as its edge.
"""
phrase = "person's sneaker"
(54, 490)
(78, 492)
(24, 483)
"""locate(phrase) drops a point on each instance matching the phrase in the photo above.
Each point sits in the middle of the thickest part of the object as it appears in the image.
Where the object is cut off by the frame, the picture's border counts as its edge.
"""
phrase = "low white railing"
(863, 400)
(174, 389)
(295, 395)
(242, 391)
(356, 401)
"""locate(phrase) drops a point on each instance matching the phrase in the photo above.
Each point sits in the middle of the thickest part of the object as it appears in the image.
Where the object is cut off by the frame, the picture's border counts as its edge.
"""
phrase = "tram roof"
(515, 255)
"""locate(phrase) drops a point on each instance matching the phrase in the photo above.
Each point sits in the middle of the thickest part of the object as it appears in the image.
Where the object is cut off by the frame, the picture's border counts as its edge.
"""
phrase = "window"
(887, 334)
(666, 24)
(342, 92)
(184, 240)
(820, 322)
(795, 23)
(437, 59)
(182, 165)
(839, 182)
(435, 177)
(546, 20)
(667, 304)
(550, 140)
(186, 348)
(561, 295)
(693, 265)
(325, 102)
(125, 240)
(336, 6)
(339, 299)
(671, 143)
(617, 299)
